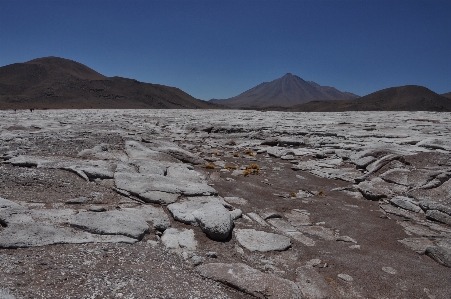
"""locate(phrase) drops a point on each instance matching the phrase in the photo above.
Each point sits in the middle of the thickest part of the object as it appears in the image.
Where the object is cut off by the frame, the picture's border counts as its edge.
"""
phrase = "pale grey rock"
(270, 214)
(312, 284)
(434, 143)
(173, 150)
(182, 172)
(440, 254)
(254, 240)
(111, 223)
(236, 213)
(52, 216)
(279, 151)
(346, 239)
(158, 197)
(197, 260)
(5, 295)
(178, 239)
(398, 176)
(160, 220)
(136, 150)
(250, 280)
(428, 205)
(418, 245)
(405, 203)
(139, 184)
(13, 213)
(440, 194)
(389, 270)
(214, 220)
(363, 162)
(257, 219)
(290, 231)
(345, 277)
(344, 174)
(377, 189)
(298, 218)
(183, 210)
(78, 200)
(387, 208)
(438, 216)
(35, 235)
(97, 209)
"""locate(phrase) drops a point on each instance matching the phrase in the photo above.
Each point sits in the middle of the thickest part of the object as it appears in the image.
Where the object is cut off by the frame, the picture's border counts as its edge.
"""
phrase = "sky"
(219, 49)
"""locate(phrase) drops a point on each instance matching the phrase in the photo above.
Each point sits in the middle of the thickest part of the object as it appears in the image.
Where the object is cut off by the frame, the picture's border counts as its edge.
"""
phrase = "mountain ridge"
(59, 83)
(400, 98)
(285, 91)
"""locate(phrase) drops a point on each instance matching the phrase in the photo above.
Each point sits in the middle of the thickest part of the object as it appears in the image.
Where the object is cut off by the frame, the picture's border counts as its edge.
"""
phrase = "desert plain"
(224, 204)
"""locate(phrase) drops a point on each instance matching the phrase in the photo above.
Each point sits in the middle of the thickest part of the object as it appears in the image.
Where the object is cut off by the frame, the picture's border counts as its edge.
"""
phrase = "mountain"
(402, 98)
(447, 95)
(286, 91)
(59, 83)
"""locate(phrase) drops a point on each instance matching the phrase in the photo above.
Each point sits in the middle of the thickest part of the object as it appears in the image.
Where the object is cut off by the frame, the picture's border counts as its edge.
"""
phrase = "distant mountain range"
(57, 83)
(402, 98)
(286, 91)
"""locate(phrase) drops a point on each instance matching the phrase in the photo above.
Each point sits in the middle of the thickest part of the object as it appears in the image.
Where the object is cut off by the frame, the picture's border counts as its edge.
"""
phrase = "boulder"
(214, 220)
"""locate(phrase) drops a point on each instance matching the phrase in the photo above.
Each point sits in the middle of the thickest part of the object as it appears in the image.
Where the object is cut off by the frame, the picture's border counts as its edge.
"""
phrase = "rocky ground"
(224, 204)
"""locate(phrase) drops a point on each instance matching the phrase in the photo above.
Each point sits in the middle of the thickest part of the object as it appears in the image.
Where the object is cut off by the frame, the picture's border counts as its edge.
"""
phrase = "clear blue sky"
(218, 49)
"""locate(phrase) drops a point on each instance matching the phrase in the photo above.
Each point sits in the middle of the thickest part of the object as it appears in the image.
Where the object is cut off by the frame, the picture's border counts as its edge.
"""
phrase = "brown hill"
(58, 83)
(403, 98)
(286, 91)
(447, 95)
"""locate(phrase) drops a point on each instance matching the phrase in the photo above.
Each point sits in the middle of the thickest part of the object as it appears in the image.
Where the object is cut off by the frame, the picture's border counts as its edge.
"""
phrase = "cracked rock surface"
(224, 204)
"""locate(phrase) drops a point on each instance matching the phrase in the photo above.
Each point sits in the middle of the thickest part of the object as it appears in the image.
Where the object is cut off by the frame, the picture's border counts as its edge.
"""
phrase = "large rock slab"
(377, 189)
(440, 254)
(254, 240)
(140, 184)
(156, 215)
(136, 150)
(111, 223)
(172, 149)
(35, 235)
(405, 203)
(250, 280)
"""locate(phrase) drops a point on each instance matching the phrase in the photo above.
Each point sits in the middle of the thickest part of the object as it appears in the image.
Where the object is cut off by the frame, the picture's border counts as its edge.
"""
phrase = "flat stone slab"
(35, 235)
(250, 281)
(111, 223)
(254, 240)
(178, 239)
(156, 215)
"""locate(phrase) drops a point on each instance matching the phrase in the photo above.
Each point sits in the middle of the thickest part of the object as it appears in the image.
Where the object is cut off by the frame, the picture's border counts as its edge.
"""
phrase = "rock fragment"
(254, 240)
(250, 281)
